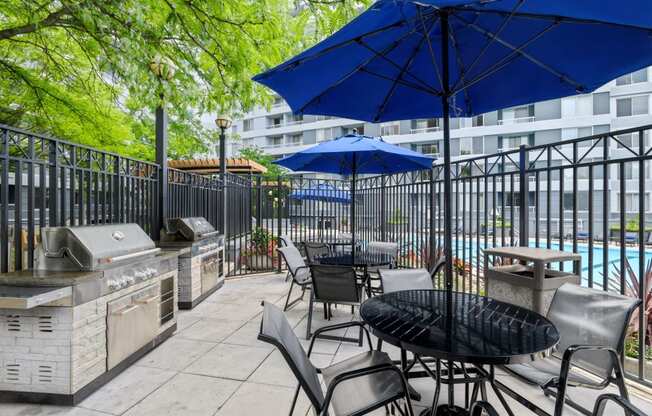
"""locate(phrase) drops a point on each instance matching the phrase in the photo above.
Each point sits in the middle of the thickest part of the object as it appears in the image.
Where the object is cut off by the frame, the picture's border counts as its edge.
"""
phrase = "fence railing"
(590, 195)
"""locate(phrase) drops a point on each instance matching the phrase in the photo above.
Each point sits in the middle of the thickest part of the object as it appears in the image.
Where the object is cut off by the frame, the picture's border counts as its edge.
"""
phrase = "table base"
(446, 410)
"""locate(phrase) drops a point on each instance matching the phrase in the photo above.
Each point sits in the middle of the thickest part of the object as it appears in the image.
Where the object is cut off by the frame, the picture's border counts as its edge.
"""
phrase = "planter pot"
(258, 262)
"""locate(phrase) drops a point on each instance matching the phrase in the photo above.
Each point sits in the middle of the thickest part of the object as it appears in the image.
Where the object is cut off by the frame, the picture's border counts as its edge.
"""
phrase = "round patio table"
(362, 259)
(462, 328)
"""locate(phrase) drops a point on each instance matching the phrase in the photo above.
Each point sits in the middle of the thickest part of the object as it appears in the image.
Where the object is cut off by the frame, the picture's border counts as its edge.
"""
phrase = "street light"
(164, 71)
(223, 122)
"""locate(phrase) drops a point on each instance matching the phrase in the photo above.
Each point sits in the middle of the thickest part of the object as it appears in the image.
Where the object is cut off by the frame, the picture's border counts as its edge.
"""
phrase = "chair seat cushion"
(545, 372)
(362, 392)
(303, 276)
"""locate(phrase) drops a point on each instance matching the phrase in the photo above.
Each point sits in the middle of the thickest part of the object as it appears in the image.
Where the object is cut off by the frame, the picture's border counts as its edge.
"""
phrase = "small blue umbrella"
(354, 154)
(406, 59)
(322, 192)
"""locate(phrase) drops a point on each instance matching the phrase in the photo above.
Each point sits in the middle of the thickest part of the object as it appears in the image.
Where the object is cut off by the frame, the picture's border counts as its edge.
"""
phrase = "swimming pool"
(631, 253)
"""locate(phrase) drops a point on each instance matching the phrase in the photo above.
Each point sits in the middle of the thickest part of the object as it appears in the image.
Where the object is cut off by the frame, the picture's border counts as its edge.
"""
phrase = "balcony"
(519, 120)
(425, 130)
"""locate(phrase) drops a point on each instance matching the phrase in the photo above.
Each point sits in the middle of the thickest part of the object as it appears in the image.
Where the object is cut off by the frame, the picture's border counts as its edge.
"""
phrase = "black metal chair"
(592, 324)
(334, 285)
(481, 408)
(314, 250)
(298, 270)
(355, 386)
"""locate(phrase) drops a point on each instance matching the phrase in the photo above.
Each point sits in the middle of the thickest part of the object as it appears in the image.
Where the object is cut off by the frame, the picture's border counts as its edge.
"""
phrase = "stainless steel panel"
(190, 229)
(210, 265)
(132, 322)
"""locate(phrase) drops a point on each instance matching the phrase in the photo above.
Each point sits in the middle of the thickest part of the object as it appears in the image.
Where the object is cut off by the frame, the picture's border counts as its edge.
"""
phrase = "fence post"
(4, 203)
(279, 211)
(162, 161)
(432, 226)
(383, 210)
(524, 200)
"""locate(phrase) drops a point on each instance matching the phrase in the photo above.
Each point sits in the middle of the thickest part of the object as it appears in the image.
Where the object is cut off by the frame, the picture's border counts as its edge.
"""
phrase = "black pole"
(448, 234)
(162, 161)
(354, 168)
(222, 217)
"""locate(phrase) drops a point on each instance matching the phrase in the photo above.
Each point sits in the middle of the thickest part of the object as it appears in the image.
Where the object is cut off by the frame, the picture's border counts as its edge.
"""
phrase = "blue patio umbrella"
(354, 154)
(322, 192)
(406, 59)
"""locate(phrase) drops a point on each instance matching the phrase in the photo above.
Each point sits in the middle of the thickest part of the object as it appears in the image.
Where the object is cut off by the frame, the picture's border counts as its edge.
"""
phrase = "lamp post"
(223, 122)
(164, 71)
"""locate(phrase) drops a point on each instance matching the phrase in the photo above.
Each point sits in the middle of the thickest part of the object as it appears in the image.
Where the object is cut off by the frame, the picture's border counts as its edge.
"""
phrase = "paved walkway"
(214, 365)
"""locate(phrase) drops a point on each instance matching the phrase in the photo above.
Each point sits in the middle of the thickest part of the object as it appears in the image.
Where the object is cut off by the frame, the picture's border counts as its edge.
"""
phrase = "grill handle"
(131, 255)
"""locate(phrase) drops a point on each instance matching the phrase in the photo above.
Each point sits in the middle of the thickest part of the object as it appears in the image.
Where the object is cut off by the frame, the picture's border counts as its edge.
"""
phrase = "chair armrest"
(361, 372)
(567, 358)
(336, 327)
(629, 408)
(479, 408)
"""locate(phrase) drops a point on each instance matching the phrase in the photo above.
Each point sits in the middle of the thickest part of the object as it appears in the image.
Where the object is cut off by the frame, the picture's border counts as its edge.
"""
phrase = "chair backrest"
(285, 240)
(393, 280)
(591, 317)
(276, 330)
(314, 250)
(296, 265)
(382, 247)
(334, 283)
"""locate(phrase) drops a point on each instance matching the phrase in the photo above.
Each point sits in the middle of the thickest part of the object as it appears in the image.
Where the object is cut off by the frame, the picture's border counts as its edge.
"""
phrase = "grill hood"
(94, 247)
(188, 229)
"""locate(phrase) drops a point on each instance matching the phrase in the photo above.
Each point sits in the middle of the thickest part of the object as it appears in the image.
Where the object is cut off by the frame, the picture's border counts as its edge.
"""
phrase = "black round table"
(362, 259)
(462, 328)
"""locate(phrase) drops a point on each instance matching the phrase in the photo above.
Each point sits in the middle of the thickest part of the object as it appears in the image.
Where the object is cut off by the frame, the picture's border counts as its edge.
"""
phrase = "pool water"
(631, 253)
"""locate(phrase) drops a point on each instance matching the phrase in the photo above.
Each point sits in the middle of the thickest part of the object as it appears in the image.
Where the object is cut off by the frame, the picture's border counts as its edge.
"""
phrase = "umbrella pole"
(354, 168)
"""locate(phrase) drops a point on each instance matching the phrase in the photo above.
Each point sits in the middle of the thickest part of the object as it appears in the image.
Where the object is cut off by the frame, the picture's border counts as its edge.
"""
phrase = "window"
(295, 118)
(632, 106)
(466, 146)
(325, 134)
(601, 103)
(359, 129)
(295, 139)
(425, 125)
(633, 78)
(514, 142)
(430, 148)
(248, 124)
(275, 141)
(390, 129)
(524, 114)
(278, 101)
(631, 202)
(274, 122)
(478, 121)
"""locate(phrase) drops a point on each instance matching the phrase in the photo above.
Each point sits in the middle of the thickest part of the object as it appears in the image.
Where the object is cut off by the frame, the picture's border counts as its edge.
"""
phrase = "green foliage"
(78, 69)
(257, 155)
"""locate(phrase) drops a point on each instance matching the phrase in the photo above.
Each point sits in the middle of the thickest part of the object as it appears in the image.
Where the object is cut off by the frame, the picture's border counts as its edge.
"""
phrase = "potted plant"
(259, 255)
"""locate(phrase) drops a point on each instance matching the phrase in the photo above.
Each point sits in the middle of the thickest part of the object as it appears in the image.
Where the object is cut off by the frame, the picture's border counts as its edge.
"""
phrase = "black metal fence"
(590, 195)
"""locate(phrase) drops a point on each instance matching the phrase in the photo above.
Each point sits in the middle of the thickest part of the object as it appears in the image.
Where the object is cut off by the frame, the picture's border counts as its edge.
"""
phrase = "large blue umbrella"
(404, 59)
(322, 192)
(354, 154)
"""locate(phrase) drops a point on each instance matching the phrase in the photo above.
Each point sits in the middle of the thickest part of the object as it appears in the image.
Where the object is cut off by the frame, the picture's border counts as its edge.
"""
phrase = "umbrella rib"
(389, 48)
(503, 62)
(405, 67)
(403, 82)
(491, 40)
(397, 66)
(463, 72)
(519, 51)
(430, 49)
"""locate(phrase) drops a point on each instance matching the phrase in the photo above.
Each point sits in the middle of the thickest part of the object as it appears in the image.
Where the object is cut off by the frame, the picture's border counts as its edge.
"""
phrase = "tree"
(257, 155)
(78, 69)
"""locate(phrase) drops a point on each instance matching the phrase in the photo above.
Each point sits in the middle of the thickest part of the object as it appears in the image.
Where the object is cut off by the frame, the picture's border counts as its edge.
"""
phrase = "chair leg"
(310, 306)
(294, 400)
(287, 300)
(379, 344)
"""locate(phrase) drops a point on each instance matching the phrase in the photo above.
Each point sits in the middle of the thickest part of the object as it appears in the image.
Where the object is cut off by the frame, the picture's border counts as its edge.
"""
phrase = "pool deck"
(215, 366)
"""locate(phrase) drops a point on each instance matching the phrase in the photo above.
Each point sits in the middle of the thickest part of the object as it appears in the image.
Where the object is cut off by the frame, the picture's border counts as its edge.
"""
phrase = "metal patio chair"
(314, 250)
(334, 285)
(298, 270)
(481, 408)
(380, 247)
(355, 386)
(592, 324)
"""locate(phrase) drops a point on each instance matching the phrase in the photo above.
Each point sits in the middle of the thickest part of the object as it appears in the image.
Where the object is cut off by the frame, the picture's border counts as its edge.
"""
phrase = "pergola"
(238, 166)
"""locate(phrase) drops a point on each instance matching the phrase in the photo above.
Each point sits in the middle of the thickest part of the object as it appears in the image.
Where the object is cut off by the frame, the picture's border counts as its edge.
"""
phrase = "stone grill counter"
(56, 325)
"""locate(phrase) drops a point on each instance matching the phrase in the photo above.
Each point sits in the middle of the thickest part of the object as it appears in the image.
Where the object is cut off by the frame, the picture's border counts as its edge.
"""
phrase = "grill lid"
(92, 247)
(189, 228)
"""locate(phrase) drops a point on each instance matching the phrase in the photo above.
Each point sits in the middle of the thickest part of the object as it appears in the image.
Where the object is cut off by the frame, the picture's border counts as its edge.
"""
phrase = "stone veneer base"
(200, 298)
(76, 398)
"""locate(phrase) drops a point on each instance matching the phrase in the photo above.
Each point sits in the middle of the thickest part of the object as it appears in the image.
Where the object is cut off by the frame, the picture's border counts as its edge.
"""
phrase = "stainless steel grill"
(201, 260)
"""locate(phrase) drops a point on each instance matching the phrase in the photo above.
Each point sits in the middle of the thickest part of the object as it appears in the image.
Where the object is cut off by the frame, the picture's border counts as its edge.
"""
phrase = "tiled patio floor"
(215, 366)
